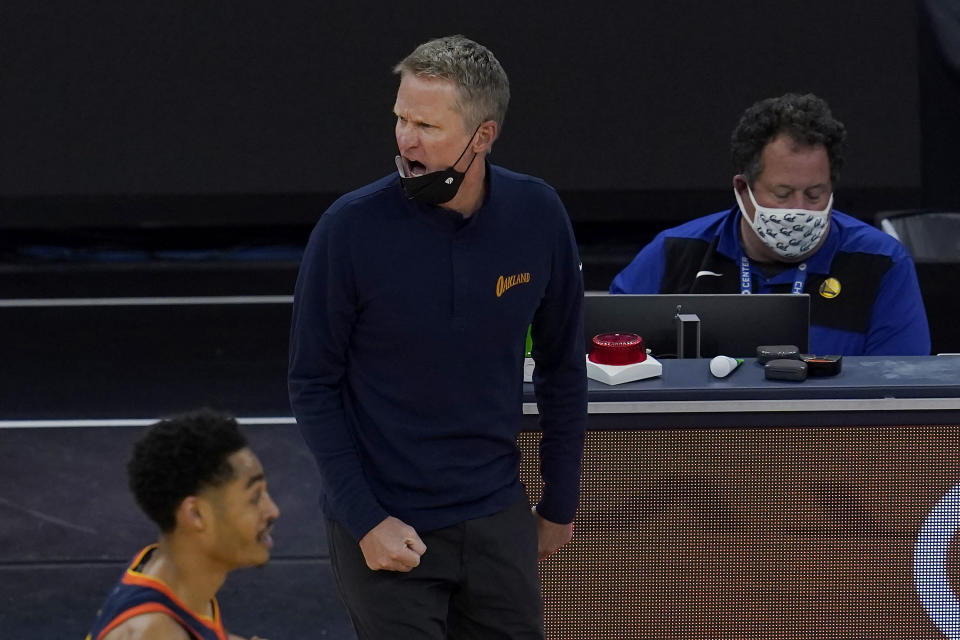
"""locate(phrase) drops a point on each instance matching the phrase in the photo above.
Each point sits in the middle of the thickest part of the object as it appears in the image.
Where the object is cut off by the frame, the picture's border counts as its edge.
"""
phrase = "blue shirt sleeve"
(898, 320)
(645, 272)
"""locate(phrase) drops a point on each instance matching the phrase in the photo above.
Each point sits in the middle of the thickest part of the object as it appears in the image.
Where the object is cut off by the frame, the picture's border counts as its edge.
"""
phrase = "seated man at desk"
(784, 236)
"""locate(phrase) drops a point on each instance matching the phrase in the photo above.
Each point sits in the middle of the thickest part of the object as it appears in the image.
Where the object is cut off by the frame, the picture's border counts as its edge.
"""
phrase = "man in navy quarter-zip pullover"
(407, 344)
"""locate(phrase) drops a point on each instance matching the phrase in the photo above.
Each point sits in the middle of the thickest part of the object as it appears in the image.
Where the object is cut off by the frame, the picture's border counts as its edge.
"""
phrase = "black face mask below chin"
(435, 187)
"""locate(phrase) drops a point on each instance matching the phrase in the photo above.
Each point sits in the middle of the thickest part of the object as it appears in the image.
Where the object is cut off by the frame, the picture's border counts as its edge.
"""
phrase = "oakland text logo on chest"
(505, 282)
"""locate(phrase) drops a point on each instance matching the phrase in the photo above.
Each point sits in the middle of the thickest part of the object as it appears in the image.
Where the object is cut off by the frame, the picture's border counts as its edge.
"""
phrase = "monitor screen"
(730, 324)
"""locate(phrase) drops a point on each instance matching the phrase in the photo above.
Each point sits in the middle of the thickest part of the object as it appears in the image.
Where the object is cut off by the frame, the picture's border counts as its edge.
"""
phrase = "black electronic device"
(822, 365)
(785, 369)
(768, 352)
(730, 324)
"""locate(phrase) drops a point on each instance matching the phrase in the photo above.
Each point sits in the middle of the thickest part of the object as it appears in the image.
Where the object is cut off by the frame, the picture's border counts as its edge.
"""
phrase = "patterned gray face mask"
(790, 233)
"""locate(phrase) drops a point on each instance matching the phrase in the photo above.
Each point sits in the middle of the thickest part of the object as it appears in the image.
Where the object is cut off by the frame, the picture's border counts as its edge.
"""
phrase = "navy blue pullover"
(407, 346)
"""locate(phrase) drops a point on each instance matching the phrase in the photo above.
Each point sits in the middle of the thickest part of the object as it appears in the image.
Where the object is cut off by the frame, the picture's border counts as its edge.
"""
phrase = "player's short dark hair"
(805, 118)
(178, 457)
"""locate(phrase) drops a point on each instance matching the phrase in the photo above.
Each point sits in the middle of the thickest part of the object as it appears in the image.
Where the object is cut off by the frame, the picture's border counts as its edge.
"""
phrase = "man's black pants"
(477, 580)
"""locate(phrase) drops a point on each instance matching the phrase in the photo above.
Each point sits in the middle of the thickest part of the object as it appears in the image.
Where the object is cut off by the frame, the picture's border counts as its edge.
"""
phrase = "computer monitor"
(730, 324)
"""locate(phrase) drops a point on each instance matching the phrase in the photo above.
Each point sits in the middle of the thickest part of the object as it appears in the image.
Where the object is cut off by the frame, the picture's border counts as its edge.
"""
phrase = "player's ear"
(193, 514)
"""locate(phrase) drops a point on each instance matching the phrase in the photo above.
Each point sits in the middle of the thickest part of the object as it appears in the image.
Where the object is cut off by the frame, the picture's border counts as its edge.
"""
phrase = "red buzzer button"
(617, 349)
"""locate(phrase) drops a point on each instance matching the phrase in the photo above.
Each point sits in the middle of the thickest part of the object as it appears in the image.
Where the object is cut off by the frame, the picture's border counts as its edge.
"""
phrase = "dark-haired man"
(406, 367)
(197, 479)
(785, 237)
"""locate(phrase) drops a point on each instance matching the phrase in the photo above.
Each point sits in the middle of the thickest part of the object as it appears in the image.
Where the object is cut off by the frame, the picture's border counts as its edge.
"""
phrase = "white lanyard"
(746, 279)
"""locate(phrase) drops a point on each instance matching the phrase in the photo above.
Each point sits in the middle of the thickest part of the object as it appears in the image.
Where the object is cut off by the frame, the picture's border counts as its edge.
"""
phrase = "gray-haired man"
(412, 307)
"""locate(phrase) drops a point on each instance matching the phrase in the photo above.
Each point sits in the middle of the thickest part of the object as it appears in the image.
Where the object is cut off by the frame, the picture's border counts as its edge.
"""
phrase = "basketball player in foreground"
(194, 476)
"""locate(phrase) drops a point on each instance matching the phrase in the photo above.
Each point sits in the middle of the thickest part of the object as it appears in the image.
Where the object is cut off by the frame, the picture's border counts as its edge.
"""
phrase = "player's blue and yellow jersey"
(137, 594)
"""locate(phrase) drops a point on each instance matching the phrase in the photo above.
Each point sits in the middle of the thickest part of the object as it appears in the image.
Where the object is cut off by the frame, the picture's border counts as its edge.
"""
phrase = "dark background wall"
(939, 75)
(118, 101)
